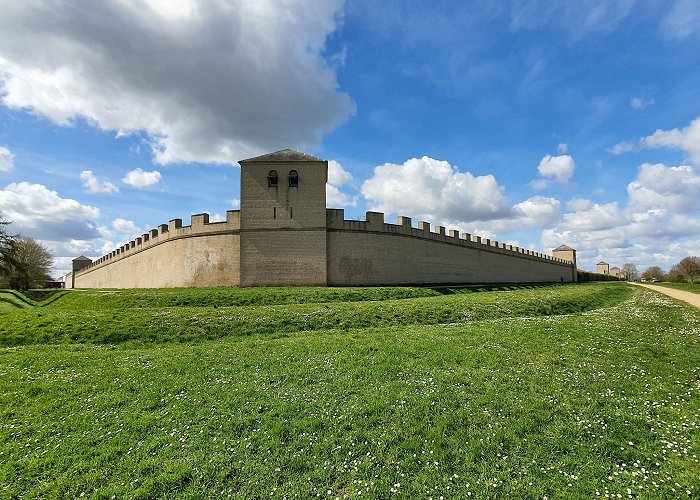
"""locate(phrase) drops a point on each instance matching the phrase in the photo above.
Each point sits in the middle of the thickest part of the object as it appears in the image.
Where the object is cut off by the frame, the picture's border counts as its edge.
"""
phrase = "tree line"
(24, 262)
(685, 271)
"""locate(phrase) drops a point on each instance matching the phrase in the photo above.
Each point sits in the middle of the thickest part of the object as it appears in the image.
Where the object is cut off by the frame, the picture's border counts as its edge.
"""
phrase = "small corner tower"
(78, 264)
(283, 219)
(565, 252)
(602, 268)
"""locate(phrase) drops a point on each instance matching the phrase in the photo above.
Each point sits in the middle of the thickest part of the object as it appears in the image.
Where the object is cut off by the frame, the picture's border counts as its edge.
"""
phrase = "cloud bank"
(207, 82)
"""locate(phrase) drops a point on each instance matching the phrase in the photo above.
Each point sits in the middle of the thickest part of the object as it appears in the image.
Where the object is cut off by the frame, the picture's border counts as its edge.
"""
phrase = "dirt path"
(691, 298)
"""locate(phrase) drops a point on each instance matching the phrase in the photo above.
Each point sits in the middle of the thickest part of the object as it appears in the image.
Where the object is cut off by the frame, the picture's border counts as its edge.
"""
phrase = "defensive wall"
(372, 252)
(172, 255)
(357, 253)
(284, 235)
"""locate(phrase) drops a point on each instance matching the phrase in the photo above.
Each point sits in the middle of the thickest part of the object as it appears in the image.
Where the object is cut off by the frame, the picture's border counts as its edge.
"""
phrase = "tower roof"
(602, 263)
(283, 156)
(562, 248)
(82, 258)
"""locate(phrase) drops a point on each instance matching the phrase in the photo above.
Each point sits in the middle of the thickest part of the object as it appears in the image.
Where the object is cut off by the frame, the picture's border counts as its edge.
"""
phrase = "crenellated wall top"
(199, 226)
(374, 222)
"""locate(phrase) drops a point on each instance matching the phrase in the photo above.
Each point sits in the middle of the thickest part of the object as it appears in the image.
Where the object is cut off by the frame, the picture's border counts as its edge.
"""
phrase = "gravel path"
(691, 298)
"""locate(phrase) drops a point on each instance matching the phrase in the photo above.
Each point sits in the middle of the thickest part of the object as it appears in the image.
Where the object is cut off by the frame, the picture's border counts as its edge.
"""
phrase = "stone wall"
(173, 255)
(283, 227)
(371, 252)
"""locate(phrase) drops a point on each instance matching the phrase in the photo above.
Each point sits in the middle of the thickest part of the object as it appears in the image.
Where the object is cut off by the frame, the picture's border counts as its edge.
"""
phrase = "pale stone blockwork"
(284, 235)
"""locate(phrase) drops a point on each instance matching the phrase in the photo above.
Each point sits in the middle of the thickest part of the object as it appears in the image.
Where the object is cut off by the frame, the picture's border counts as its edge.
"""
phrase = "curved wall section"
(374, 253)
(203, 254)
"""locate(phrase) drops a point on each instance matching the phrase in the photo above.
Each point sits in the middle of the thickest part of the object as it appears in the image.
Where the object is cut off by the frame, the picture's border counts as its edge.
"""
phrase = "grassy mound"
(118, 316)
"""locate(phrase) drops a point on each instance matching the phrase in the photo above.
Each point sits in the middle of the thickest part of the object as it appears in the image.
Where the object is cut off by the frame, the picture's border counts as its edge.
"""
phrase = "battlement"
(173, 230)
(374, 222)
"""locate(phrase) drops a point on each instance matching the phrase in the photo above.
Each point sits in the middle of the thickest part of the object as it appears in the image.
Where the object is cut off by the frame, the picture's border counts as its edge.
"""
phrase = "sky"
(536, 123)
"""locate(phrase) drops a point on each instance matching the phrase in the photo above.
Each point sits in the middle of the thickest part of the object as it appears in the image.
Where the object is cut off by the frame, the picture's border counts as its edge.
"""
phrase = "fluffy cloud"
(661, 187)
(207, 82)
(93, 184)
(337, 177)
(126, 226)
(660, 218)
(686, 139)
(435, 190)
(38, 212)
(561, 168)
(140, 179)
(596, 217)
(7, 159)
(538, 211)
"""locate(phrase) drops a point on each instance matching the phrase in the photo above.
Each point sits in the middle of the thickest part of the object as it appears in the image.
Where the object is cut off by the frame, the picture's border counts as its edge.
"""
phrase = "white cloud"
(207, 82)
(7, 159)
(686, 139)
(683, 20)
(661, 187)
(93, 184)
(639, 103)
(235, 203)
(126, 226)
(140, 179)
(579, 204)
(337, 177)
(336, 198)
(39, 212)
(623, 147)
(538, 184)
(660, 218)
(434, 189)
(562, 148)
(595, 218)
(538, 211)
(217, 217)
(560, 168)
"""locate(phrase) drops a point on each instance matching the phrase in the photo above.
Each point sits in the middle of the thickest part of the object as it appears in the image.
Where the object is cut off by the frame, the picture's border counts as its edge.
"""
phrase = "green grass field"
(687, 287)
(558, 391)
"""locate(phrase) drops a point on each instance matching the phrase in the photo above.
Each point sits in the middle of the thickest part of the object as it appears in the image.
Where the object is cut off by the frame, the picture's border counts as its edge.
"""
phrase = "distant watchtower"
(77, 264)
(602, 268)
(283, 219)
(568, 254)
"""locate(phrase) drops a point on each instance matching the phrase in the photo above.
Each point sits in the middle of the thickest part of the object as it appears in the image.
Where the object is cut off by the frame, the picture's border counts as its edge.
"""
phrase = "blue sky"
(532, 122)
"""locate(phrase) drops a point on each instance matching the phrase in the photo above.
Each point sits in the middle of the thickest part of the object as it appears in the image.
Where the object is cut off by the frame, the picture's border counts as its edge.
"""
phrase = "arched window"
(272, 178)
(293, 178)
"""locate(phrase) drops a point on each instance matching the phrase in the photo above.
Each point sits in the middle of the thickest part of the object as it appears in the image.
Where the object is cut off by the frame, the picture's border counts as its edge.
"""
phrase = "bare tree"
(630, 271)
(689, 268)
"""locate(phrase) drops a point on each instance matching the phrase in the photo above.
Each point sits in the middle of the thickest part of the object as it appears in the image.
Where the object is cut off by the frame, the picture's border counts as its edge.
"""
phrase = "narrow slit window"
(291, 212)
(272, 178)
(293, 178)
(274, 212)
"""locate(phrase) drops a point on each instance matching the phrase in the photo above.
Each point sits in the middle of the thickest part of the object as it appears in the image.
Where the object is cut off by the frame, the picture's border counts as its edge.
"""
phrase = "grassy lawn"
(562, 391)
(687, 287)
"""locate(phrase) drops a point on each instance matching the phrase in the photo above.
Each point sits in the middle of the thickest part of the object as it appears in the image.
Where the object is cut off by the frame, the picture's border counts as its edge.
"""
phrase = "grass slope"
(602, 401)
(84, 317)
